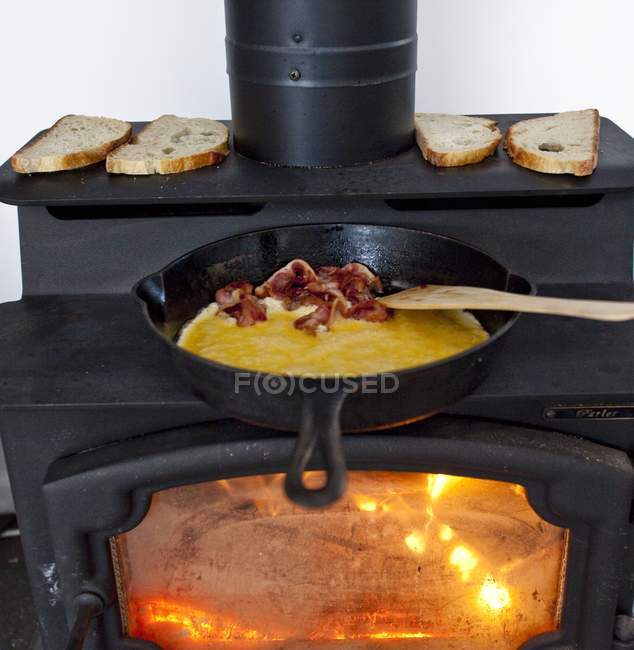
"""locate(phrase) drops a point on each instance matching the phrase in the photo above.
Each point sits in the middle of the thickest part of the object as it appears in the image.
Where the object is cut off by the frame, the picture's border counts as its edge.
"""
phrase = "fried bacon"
(288, 282)
(355, 281)
(233, 293)
(248, 312)
(237, 300)
(353, 271)
(323, 317)
(347, 291)
(371, 310)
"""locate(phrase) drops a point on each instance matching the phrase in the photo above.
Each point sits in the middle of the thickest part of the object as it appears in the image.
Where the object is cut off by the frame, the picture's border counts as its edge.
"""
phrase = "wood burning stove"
(94, 423)
(151, 520)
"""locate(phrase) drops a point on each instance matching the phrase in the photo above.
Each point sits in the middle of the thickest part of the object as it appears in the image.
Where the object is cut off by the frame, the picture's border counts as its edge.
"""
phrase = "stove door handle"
(89, 607)
(320, 425)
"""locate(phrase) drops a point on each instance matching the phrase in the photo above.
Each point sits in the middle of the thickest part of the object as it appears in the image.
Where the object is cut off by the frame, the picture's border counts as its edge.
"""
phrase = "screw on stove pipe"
(295, 75)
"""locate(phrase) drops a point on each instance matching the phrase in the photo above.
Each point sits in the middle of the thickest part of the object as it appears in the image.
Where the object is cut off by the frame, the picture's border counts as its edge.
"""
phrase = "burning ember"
(405, 561)
(188, 622)
(464, 560)
(204, 628)
(493, 595)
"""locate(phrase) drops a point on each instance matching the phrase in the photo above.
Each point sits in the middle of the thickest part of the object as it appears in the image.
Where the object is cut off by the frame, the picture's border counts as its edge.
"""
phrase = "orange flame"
(438, 483)
(464, 560)
(446, 533)
(416, 542)
(397, 635)
(197, 624)
(494, 595)
(366, 504)
(153, 616)
(416, 521)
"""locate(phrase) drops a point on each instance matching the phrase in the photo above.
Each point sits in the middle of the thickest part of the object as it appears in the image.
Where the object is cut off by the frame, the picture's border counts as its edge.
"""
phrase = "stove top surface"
(241, 180)
(96, 351)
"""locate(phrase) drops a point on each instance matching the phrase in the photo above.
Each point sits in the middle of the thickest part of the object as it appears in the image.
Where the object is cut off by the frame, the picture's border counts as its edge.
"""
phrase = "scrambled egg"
(350, 348)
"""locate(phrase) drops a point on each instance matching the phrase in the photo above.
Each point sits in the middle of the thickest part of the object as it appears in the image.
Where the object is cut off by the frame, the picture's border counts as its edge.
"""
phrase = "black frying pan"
(321, 411)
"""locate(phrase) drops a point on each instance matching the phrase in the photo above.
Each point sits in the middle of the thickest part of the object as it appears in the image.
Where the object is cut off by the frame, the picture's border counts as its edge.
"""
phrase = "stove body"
(94, 421)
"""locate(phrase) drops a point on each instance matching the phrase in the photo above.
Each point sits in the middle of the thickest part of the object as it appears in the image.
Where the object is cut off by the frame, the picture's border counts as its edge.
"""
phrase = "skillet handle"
(320, 425)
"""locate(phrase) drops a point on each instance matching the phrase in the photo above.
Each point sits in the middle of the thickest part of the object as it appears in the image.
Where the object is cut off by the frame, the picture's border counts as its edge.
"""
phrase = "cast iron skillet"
(321, 410)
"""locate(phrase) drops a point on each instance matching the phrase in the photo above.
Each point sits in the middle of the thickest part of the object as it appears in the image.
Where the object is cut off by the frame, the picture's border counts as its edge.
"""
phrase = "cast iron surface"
(107, 249)
(326, 83)
(17, 618)
(401, 256)
(240, 179)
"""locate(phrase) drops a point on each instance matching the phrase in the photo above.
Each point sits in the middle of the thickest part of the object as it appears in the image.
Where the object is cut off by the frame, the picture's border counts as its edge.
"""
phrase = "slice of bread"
(567, 143)
(456, 140)
(170, 145)
(73, 141)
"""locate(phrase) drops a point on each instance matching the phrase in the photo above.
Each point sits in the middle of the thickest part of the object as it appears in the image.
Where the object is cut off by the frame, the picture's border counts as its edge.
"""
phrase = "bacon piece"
(359, 283)
(344, 274)
(362, 271)
(347, 291)
(323, 316)
(328, 291)
(237, 300)
(355, 281)
(247, 312)
(288, 282)
(233, 293)
(371, 310)
(329, 273)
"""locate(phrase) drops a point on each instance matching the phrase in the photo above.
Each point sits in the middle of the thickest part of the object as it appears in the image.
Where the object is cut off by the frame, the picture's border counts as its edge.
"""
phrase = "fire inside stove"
(405, 560)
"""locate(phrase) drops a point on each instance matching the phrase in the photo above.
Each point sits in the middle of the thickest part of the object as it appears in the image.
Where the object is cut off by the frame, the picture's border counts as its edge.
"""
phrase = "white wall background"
(137, 59)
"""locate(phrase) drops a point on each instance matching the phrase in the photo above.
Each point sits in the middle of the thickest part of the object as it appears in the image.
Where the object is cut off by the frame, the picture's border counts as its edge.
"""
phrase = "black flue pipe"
(322, 83)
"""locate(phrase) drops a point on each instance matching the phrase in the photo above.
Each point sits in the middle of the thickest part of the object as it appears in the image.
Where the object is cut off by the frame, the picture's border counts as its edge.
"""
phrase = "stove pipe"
(321, 83)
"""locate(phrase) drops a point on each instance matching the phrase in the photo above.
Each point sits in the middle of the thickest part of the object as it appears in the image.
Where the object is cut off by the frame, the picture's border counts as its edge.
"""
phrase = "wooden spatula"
(444, 297)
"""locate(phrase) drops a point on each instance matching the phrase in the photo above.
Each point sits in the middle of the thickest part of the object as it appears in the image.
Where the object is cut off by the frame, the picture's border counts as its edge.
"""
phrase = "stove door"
(404, 560)
(453, 534)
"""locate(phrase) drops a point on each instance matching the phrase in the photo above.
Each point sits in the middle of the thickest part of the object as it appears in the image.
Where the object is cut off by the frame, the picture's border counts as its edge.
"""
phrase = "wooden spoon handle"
(440, 297)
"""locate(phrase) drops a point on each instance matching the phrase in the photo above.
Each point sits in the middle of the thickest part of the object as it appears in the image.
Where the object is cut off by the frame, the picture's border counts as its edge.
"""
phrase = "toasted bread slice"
(73, 141)
(170, 145)
(456, 140)
(567, 143)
